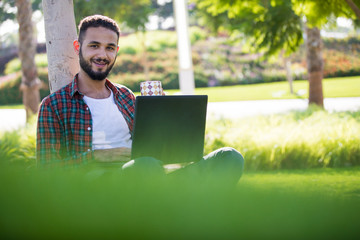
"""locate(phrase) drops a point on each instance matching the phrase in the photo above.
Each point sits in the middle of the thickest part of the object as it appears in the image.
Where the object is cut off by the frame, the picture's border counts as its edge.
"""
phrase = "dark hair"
(97, 21)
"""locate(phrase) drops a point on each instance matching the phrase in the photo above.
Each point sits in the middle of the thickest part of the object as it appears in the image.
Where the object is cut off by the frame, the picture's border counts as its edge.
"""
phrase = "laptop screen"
(170, 128)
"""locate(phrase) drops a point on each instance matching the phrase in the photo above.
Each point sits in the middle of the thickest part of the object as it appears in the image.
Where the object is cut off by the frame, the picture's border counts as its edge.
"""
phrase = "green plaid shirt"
(64, 128)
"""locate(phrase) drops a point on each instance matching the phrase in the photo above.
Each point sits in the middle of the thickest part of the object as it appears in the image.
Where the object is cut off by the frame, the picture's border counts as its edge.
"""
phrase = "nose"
(101, 53)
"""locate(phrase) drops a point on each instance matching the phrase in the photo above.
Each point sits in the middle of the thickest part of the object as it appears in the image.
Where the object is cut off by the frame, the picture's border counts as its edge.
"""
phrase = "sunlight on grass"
(15, 64)
(101, 203)
(109, 205)
(339, 183)
(332, 87)
(15, 106)
(313, 138)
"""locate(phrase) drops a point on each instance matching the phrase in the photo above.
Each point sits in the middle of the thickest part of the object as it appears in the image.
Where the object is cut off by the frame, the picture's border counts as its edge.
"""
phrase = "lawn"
(14, 106)
(270, 200)
(342, 183)
(73, 204)
(332, 87)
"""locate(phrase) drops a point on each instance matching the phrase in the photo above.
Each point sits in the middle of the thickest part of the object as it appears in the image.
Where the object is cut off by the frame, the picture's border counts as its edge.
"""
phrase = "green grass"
(73, 204)
(328, 182)
(332, 87)
(298, 140)
(13, 106)
(15, 64)
(310, 139)
(91, 202)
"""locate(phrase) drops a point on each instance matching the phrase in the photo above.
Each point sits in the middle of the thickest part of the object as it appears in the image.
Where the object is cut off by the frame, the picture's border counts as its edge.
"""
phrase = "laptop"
(169, 128)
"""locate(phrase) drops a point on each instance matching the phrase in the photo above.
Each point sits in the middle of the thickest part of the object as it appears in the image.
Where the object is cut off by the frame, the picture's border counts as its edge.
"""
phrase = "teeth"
(100, 62)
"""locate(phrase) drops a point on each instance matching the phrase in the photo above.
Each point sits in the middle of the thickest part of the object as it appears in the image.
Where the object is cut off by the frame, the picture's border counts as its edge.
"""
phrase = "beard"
(86, 66)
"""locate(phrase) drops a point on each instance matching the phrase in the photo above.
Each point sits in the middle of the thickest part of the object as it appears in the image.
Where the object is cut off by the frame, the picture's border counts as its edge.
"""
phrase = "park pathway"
(241, 109)
(14, 118)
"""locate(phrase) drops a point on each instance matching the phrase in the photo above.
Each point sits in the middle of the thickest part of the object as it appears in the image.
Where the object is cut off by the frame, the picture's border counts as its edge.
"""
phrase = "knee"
(226, 164)
(228, 156)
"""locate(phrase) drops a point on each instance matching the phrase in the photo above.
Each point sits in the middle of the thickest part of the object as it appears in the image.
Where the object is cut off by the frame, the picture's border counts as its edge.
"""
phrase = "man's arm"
(49, 133)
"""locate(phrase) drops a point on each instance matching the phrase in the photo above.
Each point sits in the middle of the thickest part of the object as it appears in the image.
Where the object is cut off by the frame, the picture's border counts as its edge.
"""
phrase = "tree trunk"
(145, 56)
(287, 66)
(287, 63)
(30, 84)
(60, 32)
(314, 65)
(354, 7)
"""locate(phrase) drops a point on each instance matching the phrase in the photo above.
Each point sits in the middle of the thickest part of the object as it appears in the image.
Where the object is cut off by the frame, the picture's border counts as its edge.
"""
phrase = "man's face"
(98, 52)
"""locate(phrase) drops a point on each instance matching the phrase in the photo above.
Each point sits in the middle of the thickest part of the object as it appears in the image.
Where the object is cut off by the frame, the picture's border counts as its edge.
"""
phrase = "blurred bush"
(93, 204)
(299, 140)
(216, 60)
(18, 147)
(10, 91)
(15, 65)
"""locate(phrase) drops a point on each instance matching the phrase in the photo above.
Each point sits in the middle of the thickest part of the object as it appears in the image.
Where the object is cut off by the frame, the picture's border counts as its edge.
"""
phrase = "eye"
(93, 46)
(111, 48)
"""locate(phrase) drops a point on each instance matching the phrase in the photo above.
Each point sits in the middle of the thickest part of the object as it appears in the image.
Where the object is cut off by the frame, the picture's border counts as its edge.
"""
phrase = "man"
(91, 119)
(90, 115)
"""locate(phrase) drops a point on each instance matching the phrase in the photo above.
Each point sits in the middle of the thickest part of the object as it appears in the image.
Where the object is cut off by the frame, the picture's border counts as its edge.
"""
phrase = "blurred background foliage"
(217, 62)
(283, 141)
(241, 42)
(230, 46)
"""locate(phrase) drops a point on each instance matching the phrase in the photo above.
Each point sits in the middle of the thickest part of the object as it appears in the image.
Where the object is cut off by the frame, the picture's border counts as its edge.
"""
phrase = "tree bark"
(354, 7)
(30, 84)
(145, 60)
(287, 63)
(314, 65)
(287, 66)
(60, 32)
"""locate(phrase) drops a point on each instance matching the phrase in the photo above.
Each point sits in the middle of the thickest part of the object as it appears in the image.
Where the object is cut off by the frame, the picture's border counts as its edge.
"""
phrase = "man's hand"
(113, 155)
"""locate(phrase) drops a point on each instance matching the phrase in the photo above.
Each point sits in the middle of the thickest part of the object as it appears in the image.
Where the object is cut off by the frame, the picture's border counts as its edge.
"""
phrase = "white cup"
(151, 88)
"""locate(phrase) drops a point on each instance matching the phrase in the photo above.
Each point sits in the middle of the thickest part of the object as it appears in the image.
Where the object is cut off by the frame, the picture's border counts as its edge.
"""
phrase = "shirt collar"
(74, 86)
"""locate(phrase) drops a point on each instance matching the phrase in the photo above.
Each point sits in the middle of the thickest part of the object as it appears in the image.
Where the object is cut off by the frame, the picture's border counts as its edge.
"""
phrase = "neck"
(92, 88)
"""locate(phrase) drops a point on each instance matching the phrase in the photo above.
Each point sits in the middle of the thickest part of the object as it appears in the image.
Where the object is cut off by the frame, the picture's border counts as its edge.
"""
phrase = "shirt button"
(89, 150)
(87, 108)
(89, 128)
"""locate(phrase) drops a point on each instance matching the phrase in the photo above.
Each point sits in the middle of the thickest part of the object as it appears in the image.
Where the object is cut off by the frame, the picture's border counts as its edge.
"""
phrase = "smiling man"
(90, 118)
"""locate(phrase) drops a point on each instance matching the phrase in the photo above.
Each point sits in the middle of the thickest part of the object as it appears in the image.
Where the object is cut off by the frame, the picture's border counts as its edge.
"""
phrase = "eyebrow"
(98, 43)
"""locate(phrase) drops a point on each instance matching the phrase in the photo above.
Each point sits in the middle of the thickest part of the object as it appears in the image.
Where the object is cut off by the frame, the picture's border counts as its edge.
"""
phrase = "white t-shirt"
(110, 129)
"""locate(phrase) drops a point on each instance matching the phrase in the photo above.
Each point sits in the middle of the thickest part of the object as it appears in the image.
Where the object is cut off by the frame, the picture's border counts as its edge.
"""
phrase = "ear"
(76, 45)
(117, 50)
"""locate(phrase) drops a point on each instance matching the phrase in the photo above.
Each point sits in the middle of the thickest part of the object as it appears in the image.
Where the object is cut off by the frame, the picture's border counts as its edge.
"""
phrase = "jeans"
(221, 167)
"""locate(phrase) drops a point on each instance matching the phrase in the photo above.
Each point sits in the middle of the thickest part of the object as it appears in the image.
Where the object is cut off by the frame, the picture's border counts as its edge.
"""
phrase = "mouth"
(100, 63)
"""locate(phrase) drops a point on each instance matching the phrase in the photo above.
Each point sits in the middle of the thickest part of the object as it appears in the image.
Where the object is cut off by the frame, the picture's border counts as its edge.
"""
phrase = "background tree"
(163, 11)
(22, 10)
(277, 24)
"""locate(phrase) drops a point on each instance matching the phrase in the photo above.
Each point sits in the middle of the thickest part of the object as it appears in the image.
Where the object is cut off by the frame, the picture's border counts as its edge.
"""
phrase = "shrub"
(309, 139)
(338, 64)
(127, 50)
(274, 75)
(15, 65)
(18, 147)
(10, 91)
